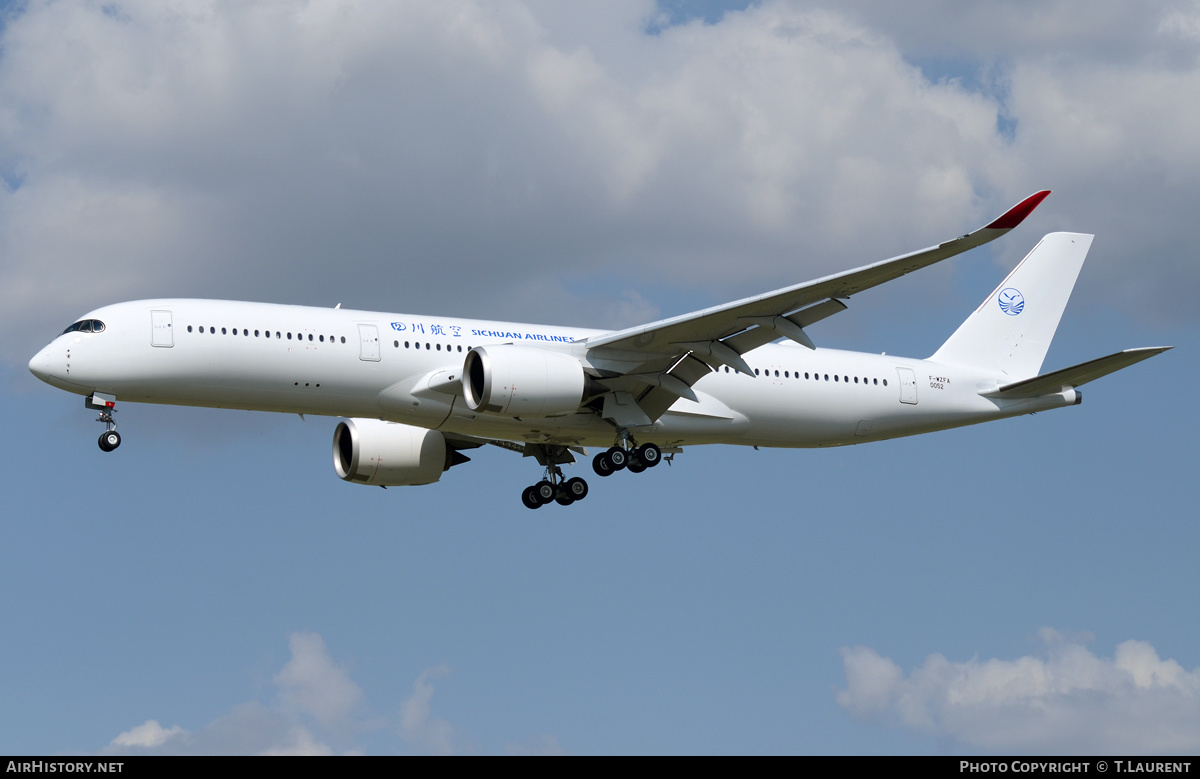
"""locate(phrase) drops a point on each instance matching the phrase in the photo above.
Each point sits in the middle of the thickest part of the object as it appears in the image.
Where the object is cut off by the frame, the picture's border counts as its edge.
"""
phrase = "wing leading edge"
(659, 362)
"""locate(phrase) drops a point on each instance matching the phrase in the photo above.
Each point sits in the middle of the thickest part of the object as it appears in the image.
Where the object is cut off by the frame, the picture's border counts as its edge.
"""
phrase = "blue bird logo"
(1011, 301)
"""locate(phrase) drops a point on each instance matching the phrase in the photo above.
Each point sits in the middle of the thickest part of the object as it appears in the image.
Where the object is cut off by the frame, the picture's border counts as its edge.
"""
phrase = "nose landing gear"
(107, 406)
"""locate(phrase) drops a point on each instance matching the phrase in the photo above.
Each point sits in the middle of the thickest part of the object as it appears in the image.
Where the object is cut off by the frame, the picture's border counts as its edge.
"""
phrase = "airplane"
(416, 391)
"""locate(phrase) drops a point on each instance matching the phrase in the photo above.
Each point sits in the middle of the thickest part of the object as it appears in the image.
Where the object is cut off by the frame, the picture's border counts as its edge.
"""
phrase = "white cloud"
(461, 154)
(311, 684)
(148, 734)
(318, 710)
(308, 685)
(418, 726)
(1064, 700)
(249, 729)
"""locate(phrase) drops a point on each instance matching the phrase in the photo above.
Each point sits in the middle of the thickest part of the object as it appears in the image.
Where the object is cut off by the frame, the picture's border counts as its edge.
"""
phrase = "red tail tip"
(1015, 215)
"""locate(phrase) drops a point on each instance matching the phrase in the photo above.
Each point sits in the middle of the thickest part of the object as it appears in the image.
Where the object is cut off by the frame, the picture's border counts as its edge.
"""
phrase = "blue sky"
(1022, 587)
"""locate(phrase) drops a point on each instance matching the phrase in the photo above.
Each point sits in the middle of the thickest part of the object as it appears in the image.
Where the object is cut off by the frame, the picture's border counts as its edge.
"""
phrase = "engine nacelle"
(521, 381)
(370, 451)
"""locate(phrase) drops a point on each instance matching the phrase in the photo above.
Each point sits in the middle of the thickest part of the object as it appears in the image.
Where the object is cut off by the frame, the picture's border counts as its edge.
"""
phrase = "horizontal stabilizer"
(1076, 375)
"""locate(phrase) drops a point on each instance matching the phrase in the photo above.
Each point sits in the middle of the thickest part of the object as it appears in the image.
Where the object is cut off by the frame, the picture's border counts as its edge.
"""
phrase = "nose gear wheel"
(110, 440)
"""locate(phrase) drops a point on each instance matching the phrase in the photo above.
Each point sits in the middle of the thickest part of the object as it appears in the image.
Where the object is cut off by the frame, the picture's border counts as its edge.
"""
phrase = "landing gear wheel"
(617, 458)
(601, 465)
(562, 497)
(544, 491)
(577, 488)
(635, 465)
(530, 498)
(649, 454)
(109, 440)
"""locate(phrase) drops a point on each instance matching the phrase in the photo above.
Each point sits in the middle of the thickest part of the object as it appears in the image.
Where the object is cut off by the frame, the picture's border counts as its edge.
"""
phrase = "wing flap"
(749, 340)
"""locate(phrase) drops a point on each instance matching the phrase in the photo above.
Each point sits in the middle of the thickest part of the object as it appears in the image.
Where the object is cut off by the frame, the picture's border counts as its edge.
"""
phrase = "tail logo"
(1011, 301)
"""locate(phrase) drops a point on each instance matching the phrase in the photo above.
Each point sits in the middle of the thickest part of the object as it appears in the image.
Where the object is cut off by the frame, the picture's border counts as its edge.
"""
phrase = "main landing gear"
(554, 488)
(563, 491)
(636, 459)
(107, 406)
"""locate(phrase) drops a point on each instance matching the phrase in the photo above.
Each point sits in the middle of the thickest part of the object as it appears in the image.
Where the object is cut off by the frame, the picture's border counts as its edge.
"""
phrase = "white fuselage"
(336, 362)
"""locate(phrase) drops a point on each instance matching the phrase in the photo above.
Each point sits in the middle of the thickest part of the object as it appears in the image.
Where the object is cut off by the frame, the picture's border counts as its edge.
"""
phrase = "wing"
(658, 363)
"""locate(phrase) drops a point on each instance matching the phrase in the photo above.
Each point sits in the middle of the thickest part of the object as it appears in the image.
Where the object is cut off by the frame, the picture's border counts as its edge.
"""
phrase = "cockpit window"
(85, 326)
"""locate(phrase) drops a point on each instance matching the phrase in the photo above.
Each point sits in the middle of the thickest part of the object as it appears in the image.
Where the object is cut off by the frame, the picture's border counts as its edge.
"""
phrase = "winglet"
(1015, 215)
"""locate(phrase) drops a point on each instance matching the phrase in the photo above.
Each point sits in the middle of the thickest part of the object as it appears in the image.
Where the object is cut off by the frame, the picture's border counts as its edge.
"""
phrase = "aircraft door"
(368, 339)
(160, 329)
(908, 386)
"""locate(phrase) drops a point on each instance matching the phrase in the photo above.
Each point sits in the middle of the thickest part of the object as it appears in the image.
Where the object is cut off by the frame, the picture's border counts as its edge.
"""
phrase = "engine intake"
(520, 381)
(387, 454)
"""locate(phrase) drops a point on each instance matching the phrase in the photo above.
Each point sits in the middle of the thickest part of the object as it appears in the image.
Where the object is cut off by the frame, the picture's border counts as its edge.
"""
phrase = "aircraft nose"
(42, 365)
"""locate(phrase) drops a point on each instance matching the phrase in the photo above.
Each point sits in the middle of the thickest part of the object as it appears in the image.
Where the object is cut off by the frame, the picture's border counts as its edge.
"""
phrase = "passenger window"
(289, 336)
(212, 330)
(343, 339)
(189, 328)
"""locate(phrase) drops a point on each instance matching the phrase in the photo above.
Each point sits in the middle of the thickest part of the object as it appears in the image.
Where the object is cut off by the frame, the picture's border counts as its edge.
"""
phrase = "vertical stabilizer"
(1011, 330)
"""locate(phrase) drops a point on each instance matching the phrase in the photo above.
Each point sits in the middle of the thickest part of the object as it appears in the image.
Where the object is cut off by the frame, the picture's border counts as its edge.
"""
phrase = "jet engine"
(521, 381)
(387, 454)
